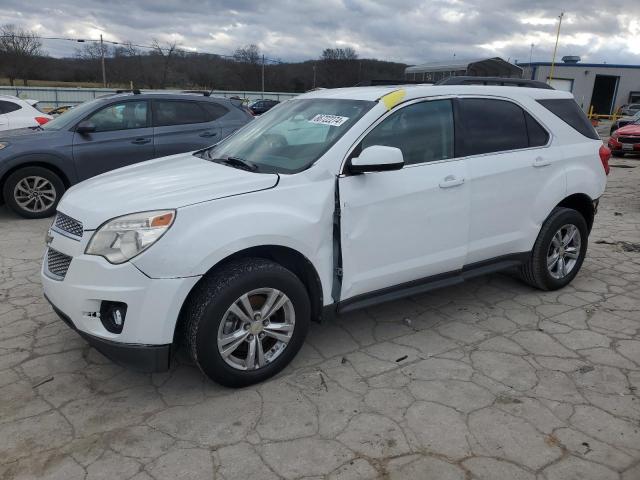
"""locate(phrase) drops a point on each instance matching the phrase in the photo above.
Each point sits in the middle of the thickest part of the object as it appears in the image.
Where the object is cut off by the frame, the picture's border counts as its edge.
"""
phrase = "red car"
(625, 140)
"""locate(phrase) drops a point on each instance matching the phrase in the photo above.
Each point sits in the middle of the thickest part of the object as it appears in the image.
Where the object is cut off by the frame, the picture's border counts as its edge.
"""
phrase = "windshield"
(291, 136)
(71, 116)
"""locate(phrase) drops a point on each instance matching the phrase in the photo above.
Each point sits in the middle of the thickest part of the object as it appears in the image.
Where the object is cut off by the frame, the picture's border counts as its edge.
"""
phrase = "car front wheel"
(246, 321)
(558, 252)
(33, 192)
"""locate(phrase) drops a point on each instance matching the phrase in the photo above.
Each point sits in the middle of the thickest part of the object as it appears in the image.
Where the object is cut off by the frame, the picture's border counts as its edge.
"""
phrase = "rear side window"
(8, 107)
(569, 112)
(492, 126)
(538, 136)
(214, 110)
(169, 112)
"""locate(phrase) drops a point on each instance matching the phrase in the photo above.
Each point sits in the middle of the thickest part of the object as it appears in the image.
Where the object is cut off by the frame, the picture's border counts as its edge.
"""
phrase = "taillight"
(41, 120)
(605, 155)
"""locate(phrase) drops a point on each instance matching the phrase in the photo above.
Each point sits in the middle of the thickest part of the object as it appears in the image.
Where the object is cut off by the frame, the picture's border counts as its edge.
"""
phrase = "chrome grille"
(57, 263)
(68, 224)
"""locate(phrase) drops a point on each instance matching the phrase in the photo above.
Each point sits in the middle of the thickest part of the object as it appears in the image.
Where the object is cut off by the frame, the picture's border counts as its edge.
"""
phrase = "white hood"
(168, 182)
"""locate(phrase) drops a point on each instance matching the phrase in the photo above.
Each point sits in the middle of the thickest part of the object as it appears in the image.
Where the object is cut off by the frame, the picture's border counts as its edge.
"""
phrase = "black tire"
(212, 297)
(615, 153)
(535, 271)
(26, 172)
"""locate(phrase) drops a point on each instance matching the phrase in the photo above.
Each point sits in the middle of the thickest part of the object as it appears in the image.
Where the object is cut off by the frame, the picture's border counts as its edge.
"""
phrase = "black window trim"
(102, 107)
(515, 102)
(191, 100)
(344, 170)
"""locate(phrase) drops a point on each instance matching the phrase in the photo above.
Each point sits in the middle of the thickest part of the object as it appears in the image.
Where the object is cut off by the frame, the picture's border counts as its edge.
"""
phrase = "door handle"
(541, 162)
(208, 134)
(141, 141)
(451, 181)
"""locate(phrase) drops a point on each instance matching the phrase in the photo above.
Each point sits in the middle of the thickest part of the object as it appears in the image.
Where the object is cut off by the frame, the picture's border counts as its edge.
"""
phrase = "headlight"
(4, 145)
(122, 238)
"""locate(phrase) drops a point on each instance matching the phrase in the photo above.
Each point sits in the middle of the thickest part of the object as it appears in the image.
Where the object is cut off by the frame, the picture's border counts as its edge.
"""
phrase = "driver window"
(423, 131)
(120, 116)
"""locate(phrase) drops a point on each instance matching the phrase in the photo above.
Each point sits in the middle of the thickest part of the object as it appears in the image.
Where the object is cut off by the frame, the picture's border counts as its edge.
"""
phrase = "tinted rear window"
(8, 107)
(569, 112)
(492, 126)
(171, 112)
(214, 110)
(538, 136)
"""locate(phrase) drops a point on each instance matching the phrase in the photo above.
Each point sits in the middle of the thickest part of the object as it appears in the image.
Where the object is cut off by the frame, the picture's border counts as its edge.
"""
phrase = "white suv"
(332, 201)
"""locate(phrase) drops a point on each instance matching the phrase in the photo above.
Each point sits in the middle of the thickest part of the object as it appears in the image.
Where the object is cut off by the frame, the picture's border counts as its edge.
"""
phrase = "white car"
(335, 200)
(17, 113)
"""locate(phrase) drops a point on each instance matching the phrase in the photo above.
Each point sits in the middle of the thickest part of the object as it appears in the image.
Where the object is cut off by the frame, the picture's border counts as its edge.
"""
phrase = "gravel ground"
(491, 380)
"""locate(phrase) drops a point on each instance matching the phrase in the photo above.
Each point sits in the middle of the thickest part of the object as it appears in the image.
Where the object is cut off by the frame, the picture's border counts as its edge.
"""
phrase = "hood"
(168, 182)
(632, 129)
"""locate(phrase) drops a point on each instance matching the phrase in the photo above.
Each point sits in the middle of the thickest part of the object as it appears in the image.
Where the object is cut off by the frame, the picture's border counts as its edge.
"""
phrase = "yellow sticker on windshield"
(392, 99)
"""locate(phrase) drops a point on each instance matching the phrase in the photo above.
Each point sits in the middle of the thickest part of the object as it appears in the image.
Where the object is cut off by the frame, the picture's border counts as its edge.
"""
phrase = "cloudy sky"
(409, 31)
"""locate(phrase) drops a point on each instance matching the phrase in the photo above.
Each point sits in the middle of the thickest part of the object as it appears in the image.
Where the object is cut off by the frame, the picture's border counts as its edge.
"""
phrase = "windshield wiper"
(238, 162)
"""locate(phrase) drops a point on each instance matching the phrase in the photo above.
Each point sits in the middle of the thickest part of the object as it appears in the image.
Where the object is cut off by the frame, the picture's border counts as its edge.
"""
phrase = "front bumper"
(152, 304)
(143, 358)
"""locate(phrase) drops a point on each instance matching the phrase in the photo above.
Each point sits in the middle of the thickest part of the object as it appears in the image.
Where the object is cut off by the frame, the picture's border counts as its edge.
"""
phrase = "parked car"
(338, 199)
(261, 106)
(630, 109)
(621, 122)
(625, 140)
(55, 112)
(36, 167)
(16, 113)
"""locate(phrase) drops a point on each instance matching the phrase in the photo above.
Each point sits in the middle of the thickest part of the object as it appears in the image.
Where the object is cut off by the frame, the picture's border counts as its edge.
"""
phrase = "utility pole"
(530, 57)
(263, 76)
(314, 77)
(555, 49)
(104, 75)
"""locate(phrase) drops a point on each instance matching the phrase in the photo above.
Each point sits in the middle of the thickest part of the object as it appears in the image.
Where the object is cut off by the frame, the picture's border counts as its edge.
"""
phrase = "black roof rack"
(384, 82)
(508, 82)
(206, 93)
(135, 91)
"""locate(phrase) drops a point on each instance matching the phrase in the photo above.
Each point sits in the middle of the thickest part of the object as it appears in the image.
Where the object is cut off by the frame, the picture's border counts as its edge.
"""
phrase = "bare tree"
(339, 67)
(167, 53)
(93, 52)
(19, 51)
(247, 54)
(332, 54)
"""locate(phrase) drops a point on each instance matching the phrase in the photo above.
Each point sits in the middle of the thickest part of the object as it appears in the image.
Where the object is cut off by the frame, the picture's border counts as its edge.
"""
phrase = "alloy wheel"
(564, 251)
(34, 194)
(256, 329)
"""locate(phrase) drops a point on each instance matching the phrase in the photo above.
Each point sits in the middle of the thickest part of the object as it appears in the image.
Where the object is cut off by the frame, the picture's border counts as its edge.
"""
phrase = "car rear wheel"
(558, 252)
(33, 192)
(246, 321)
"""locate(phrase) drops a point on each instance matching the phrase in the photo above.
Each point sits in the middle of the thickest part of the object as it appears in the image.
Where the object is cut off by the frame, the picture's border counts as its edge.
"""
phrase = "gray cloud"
(412, 31)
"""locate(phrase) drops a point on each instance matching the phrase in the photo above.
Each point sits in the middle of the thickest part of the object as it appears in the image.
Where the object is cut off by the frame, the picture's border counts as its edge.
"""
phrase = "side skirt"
(427, 284)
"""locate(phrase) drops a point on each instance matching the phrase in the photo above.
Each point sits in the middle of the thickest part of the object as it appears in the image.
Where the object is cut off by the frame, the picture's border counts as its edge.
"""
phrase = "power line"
(129, 44)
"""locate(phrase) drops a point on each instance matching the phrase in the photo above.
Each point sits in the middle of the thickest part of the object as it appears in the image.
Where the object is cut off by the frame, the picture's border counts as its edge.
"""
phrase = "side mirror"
(85, 127)
(377, 158)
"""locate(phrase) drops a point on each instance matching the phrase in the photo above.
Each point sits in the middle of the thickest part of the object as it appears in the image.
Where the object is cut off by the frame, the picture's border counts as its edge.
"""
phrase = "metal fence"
(52, 97)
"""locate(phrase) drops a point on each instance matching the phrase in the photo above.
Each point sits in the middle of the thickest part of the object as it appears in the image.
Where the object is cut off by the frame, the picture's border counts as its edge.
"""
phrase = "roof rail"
(135, 91)
(508, 82)
(206, 93)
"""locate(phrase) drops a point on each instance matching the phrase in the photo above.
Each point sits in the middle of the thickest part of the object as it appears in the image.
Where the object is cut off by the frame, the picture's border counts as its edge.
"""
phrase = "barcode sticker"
(332, 120)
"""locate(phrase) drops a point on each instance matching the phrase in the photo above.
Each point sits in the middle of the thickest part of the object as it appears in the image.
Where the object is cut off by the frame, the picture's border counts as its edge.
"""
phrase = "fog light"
(112, 315)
